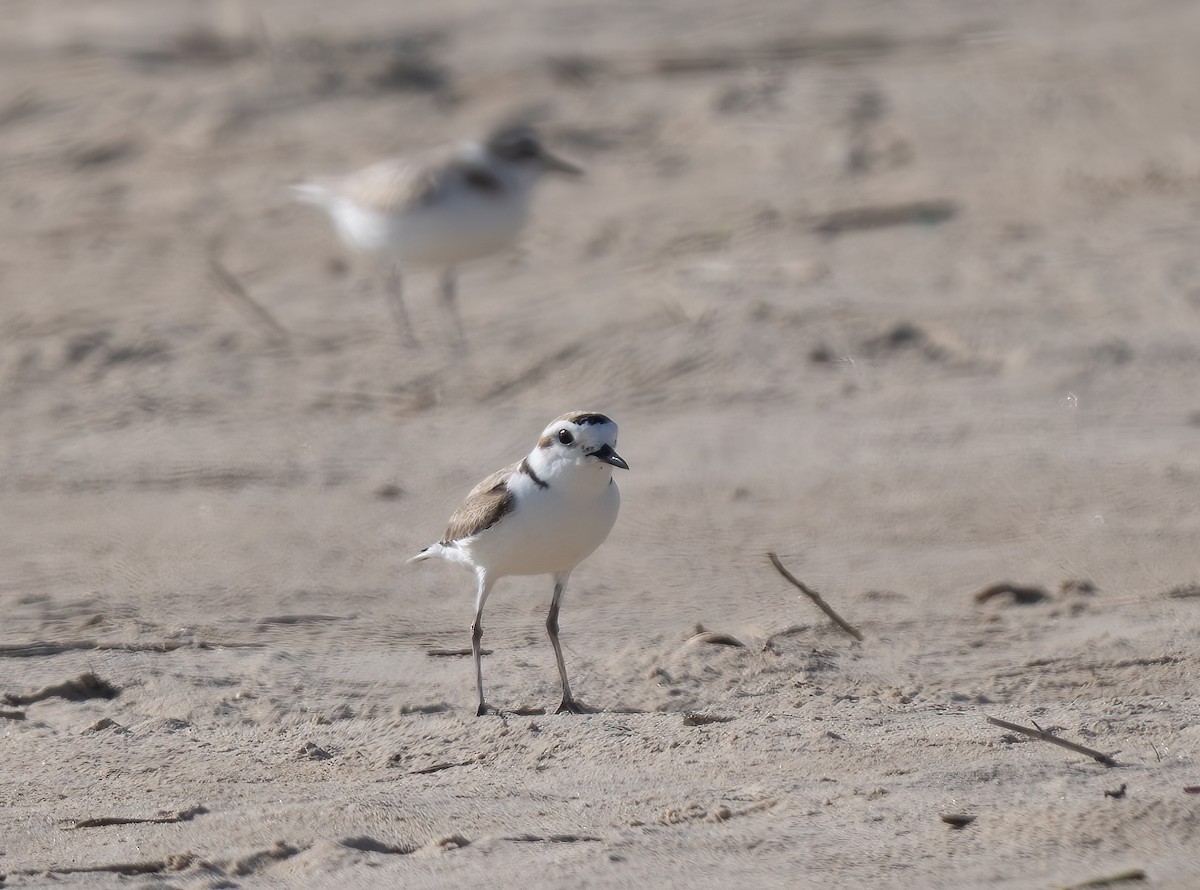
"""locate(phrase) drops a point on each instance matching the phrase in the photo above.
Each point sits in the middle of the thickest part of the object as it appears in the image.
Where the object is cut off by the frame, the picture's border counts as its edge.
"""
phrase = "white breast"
(459, 226)
(547, 532)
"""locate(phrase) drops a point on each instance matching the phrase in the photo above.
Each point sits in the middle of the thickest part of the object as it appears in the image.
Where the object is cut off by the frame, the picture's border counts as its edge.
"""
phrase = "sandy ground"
(908, 293)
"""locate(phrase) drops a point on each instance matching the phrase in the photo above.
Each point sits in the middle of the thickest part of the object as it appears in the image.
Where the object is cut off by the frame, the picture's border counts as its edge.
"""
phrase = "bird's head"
(521, 148)
(581, 442)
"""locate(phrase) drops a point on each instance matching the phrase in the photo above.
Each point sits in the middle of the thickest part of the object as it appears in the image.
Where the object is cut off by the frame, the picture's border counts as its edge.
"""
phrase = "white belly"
(451, 231)
(547, 533)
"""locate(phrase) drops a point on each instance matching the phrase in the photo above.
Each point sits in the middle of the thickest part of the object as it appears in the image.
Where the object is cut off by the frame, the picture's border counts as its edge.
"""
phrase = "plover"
(543, 515)
(439, 209)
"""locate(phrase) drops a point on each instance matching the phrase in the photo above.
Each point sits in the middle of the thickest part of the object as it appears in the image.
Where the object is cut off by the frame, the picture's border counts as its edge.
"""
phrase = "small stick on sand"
(883, 215)
(174, 862)
(1134, 874)
(816, 598)
(104, 821)
(35, 650)
(438, 767)
(1044, 736)
(696, 718)
(227, 283)
(788, 631)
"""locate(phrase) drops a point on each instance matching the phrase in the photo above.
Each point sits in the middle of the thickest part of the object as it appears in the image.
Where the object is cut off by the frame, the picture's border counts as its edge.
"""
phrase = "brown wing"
(396, 184)
(488, 503)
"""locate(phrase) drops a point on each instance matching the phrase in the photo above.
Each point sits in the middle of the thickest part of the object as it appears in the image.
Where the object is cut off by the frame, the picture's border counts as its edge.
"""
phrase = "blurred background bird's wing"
(393, 185)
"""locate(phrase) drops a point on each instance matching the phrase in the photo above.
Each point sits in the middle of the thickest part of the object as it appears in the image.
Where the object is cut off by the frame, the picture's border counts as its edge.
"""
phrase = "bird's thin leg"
(450, 302)
(568, 701)
(395, 293)
(481, 595)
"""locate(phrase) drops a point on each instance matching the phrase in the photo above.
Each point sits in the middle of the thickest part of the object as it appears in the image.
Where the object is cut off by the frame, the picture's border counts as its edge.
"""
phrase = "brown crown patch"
(584, 418)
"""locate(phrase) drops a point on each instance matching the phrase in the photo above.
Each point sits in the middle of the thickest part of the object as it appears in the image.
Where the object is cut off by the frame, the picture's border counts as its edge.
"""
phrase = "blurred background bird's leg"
(449, 296)
(395, 297)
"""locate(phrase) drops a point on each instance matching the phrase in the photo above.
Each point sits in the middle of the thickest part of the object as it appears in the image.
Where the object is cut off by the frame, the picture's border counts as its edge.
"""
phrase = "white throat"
(580, 475)
(519, 178)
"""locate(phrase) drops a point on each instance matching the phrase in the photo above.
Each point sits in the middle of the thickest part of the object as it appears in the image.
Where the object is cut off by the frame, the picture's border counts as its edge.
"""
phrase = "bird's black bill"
(557, 165)
(606, 454)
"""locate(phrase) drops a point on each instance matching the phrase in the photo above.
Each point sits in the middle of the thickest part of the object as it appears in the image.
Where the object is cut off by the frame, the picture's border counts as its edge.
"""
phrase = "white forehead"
(468, 150)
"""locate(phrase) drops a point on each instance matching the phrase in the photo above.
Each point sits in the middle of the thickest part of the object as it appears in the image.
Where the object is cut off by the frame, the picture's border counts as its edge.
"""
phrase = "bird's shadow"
(584, 709)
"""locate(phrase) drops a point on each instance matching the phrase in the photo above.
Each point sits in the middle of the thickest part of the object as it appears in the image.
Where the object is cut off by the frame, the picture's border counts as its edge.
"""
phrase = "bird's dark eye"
(520, 149)
(524, 148)
(565, 437)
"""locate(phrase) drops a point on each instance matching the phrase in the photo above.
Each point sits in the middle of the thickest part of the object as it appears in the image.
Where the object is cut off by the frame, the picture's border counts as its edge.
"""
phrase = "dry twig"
(228, 284)
(174, 862)
(778, 50)
(883, 215)
(104, 821)
(1184, 592)
(553, 838)
(42, 649)
(1044, 736)
(696, 718)
(788, 631)
(438, 767)
(1134, 874)
(816, 598)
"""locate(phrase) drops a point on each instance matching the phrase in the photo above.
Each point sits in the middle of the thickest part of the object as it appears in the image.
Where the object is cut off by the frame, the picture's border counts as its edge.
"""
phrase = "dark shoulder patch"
(528, 471)
(483, 181)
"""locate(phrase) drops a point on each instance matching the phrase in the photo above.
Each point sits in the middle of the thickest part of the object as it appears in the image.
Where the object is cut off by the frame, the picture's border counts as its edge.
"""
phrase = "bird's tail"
(428, 553)
(310, 193)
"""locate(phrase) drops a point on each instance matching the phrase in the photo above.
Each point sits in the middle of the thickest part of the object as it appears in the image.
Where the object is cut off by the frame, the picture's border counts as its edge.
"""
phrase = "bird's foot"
(572, 706)
(485, 709)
